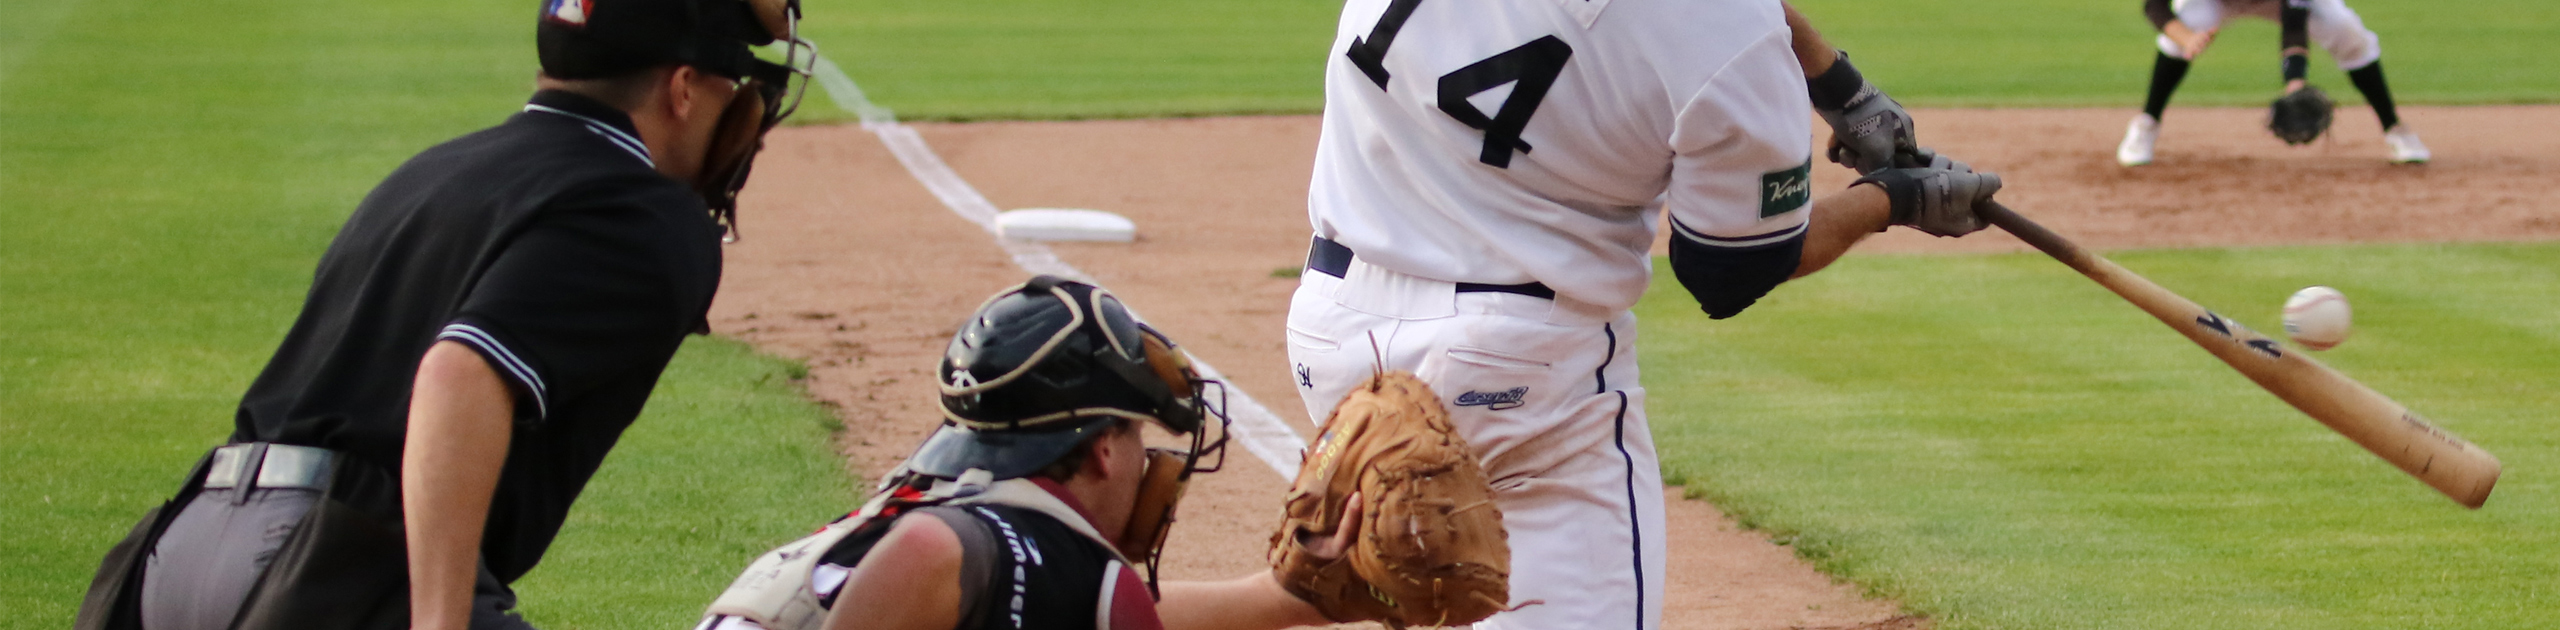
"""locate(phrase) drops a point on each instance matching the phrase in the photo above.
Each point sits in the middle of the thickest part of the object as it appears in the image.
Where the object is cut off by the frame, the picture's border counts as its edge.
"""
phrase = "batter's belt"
(1334, 259)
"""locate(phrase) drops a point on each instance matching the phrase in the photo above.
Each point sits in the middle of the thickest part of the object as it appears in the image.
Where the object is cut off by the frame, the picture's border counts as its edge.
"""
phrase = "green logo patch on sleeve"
(1787, 190)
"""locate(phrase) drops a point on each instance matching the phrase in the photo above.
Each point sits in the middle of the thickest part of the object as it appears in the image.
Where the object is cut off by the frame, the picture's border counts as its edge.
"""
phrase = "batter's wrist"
(1896, 207)
(1838, 87)
(2296, 66)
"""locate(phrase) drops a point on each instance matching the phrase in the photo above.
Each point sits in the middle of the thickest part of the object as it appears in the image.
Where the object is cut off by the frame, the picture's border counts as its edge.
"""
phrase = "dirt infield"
(849, 264)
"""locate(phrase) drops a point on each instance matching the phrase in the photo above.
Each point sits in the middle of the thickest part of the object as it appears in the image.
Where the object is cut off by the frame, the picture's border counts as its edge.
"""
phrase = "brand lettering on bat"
(2215, 322)
(2423, 426)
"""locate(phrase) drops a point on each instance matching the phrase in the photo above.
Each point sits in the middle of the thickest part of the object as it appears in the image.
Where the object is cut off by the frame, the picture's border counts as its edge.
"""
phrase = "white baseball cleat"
(2405, 147)
(2139, 136)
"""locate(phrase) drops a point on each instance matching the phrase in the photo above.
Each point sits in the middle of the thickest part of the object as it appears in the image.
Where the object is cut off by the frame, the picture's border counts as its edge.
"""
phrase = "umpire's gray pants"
(204, 564)
(200, 571)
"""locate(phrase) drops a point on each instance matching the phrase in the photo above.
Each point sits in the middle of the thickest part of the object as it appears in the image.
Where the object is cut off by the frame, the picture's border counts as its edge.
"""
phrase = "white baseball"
(2316, 317)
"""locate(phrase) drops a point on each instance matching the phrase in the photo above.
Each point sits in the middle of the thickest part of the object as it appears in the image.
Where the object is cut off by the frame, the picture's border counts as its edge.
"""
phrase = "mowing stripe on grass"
(1264, 434)
(20, 34)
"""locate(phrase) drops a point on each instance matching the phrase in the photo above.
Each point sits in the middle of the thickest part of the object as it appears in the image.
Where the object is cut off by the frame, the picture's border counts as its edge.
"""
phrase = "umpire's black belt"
(265, 465)
(1334, 259)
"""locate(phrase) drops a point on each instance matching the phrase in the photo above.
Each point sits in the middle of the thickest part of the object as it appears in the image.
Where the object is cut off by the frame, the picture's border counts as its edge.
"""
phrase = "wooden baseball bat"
(2444, 461)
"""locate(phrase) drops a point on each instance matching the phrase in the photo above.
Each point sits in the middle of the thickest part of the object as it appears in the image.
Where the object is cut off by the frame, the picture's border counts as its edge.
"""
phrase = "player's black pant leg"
(2368, 80)
(2166, 73)
(493, 605)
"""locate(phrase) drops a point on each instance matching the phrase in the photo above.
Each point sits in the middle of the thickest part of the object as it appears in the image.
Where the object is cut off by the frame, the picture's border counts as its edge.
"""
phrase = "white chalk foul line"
(1256, 428)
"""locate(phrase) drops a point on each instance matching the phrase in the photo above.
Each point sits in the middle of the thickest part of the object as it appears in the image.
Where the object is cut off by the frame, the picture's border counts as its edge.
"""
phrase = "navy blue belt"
(1334, 259)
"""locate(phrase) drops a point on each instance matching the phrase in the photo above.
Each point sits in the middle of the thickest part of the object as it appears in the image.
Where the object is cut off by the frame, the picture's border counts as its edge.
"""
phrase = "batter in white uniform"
(1486, 191)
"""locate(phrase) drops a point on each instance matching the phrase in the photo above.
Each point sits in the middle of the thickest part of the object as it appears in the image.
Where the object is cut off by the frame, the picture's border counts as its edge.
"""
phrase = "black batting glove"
(1868, 129)
(1937, 197)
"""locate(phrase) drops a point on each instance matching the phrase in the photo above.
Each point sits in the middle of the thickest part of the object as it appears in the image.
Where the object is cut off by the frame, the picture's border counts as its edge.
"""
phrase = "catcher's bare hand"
(1332, 547)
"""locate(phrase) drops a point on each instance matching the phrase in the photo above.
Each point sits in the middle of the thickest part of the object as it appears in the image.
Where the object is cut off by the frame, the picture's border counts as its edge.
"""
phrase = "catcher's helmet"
(1042, 367)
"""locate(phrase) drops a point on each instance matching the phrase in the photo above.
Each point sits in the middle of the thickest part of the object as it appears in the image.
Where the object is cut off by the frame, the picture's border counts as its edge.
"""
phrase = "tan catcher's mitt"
(1430, 549)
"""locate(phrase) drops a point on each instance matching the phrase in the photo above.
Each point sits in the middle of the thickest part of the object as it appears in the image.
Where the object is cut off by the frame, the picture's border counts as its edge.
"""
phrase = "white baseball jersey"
(1514, 141)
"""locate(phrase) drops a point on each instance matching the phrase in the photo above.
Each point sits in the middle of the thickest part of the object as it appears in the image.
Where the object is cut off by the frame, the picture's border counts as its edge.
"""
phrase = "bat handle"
(2051, 244)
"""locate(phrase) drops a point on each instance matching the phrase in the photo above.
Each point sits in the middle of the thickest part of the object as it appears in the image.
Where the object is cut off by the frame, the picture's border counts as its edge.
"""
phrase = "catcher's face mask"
(1039, 370)
(770, 92)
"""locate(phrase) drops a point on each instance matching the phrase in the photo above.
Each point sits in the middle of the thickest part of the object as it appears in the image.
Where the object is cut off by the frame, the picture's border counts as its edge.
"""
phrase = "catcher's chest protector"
(1029, 562)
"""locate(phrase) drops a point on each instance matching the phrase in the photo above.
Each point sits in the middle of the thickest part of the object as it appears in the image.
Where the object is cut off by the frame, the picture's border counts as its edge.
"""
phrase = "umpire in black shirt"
(480, 332)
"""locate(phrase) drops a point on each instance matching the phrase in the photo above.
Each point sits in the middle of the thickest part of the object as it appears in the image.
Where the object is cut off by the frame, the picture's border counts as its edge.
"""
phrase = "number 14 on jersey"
(1534, 66)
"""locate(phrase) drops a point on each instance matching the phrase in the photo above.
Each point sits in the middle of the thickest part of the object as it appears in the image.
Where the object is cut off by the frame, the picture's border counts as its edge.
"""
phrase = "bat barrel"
(2461, 471)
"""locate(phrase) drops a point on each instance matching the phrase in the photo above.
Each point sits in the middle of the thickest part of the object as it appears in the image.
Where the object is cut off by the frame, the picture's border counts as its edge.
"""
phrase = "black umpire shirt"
(550, 245)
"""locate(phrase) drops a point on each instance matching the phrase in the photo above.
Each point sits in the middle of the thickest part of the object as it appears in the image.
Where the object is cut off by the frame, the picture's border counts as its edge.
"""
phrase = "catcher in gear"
(2302, 113)
(1037, 502)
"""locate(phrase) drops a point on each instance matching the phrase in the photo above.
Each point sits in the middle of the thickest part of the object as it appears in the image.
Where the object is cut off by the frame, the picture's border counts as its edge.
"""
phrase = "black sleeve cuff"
(1727, 279)
(1901, 189)
(1837, 87)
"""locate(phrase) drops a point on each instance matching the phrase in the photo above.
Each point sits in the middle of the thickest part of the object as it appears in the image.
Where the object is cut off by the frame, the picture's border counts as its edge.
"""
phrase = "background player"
(1484, 205)
(2187, 27)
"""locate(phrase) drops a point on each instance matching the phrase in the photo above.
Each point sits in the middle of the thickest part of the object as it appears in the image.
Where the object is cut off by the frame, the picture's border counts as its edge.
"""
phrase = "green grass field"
(2018, 452)
(2099, 53)
(2001, 443)
(974, 59)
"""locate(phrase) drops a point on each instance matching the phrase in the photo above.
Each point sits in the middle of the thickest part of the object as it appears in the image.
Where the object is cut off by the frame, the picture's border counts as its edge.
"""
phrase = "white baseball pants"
(2333, 27)
(1545, 392)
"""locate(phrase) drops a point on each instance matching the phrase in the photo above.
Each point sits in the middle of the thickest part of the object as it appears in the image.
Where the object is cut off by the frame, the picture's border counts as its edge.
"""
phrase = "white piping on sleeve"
(1731, 242)
(498, 353)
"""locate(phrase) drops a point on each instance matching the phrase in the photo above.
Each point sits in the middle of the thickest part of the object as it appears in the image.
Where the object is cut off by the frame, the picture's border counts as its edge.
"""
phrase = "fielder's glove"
(1430, 549)
(1937, 198)
(1867, 128)
(2301, 116)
